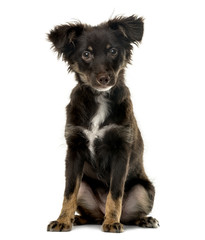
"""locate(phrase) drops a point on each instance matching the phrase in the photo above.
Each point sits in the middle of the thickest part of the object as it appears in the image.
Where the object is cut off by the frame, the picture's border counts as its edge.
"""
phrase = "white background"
(168, 92)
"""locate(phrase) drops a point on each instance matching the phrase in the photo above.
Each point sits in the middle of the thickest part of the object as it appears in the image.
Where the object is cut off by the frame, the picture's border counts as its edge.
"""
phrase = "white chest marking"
(97, 120)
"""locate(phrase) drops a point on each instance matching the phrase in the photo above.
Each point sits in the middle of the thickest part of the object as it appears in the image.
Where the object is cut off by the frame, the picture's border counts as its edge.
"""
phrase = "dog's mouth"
(103, 82)
(103, 89)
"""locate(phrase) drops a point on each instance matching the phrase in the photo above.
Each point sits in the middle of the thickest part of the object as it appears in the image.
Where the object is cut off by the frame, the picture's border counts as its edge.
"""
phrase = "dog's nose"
(103, 79)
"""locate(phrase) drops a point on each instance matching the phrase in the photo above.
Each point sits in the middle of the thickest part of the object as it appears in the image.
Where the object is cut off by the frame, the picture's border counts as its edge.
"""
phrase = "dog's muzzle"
(103, 79)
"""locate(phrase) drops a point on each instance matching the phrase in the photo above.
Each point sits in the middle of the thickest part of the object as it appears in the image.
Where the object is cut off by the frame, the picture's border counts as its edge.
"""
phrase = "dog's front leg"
(74, 168)
(113, 207)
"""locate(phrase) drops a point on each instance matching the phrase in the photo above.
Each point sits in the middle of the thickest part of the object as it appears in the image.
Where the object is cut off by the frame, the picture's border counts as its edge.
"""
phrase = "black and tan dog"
(105, 178)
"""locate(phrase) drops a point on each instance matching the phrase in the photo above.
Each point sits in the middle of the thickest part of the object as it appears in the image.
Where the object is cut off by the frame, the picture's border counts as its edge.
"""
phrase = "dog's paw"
(147, 222)
(112, 227)
(56, 226)
(79, 220)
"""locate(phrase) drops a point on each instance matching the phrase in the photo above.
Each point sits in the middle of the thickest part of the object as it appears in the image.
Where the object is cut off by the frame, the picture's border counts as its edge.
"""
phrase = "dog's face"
(98, 54)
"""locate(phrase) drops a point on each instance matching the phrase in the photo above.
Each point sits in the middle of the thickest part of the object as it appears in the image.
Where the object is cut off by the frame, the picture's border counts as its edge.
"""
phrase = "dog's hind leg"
(147, 222)
(82, 220)
(86, 219)
(88, 206)
(137, 204)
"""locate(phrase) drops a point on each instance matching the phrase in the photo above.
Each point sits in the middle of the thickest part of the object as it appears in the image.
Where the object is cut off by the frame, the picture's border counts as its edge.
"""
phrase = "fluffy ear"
(131, 28)
(63, 38)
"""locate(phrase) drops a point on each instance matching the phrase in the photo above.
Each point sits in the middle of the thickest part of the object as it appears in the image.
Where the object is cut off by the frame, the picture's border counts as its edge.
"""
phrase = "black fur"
(98, 57)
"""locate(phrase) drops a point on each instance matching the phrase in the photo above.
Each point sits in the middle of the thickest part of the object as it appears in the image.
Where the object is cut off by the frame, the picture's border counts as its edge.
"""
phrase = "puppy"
(105, 179)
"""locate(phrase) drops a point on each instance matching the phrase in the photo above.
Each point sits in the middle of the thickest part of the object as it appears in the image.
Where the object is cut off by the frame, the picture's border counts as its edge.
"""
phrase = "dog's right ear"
(63, 38)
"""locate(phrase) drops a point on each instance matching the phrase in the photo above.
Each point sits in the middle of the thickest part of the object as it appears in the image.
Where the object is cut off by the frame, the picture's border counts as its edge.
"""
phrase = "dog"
(105, 179)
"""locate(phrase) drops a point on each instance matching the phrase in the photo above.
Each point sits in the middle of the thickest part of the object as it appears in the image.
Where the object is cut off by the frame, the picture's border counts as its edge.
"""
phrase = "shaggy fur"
(105, 178)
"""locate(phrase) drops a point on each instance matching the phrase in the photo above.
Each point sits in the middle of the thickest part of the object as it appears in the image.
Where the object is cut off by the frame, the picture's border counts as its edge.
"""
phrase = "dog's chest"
(101, 114)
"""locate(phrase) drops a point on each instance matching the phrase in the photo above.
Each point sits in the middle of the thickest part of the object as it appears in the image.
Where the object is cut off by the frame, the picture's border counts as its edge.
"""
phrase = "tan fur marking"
(108, 46)
(113, 210)
(69, 207)
(75, 68)
(90, 48)
(123, 31)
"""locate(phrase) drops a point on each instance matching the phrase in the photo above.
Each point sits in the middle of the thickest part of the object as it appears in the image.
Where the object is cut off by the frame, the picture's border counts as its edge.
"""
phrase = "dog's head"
(97, 54)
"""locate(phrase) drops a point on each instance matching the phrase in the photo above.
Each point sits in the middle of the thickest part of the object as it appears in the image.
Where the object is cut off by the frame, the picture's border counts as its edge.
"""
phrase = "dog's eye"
(87, 56)
(113, 52)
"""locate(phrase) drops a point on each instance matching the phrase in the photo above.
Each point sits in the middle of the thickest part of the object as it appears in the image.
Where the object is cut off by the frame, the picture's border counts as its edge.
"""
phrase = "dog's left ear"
(131, 28)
